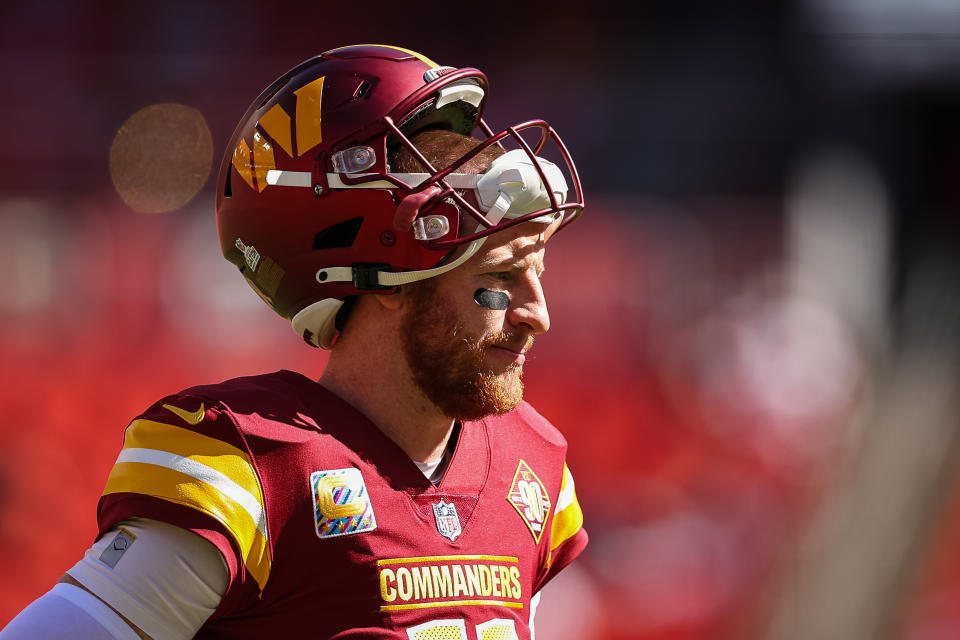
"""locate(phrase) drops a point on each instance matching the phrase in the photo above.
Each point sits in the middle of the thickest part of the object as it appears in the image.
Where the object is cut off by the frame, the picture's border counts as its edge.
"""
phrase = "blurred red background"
(771, 206)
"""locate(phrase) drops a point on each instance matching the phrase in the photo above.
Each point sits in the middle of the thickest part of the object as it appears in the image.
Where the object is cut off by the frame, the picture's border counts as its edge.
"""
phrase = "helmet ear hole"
(339, 235)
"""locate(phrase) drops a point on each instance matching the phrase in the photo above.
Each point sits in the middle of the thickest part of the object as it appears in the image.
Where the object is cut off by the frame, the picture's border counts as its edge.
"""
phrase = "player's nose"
(528, 308)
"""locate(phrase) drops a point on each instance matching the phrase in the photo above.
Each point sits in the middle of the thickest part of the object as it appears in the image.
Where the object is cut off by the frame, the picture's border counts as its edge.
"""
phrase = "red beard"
(448, 364)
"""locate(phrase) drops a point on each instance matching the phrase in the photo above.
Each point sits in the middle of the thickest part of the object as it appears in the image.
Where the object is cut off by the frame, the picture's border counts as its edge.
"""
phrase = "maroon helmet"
(310, 212)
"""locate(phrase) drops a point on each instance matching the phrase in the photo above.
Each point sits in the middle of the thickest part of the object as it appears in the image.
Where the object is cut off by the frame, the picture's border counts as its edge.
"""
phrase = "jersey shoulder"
(277, 396)
(186, 461)
(274, 407)
(526, 423)
(534, 452)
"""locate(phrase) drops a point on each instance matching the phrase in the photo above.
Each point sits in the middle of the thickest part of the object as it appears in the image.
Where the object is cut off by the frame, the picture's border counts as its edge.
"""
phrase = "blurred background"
(754, 348)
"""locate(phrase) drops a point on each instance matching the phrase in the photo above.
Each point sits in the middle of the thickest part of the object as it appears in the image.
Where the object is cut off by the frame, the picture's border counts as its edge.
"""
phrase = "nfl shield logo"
(448, 523)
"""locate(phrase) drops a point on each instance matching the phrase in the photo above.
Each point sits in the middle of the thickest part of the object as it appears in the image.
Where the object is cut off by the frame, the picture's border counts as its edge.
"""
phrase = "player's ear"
(407, 292)
(393, 301)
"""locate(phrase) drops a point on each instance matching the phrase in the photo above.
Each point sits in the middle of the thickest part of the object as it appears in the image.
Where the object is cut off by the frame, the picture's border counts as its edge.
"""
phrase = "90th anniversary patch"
(529, 497)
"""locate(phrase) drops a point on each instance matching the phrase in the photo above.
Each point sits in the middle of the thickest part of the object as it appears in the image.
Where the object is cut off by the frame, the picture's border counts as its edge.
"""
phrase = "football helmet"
(310, 212)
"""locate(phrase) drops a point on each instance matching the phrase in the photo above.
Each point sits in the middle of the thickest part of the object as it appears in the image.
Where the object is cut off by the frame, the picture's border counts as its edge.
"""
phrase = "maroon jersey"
(328, 528)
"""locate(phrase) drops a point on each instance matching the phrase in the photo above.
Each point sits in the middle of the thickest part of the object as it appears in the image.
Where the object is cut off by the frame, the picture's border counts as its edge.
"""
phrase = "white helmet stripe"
(305, 179)
(511, 182)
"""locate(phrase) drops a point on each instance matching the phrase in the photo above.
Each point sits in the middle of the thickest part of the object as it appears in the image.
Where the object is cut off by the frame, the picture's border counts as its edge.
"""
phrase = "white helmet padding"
(316, 322)
(512, 186)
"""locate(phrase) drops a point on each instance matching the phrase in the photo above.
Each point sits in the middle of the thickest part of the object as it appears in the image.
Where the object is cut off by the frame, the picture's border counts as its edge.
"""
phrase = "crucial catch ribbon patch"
(341, 504)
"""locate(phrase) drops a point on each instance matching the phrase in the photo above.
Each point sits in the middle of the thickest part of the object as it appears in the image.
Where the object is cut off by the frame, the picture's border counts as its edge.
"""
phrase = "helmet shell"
(281, 236)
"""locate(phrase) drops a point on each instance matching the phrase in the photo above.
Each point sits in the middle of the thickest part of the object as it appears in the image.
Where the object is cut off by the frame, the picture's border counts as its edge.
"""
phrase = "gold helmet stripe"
(419, 56)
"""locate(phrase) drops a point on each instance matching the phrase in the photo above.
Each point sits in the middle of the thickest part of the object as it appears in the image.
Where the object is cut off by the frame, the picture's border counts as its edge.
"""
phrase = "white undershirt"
(168, 581)
(67, 612)
(434, 470)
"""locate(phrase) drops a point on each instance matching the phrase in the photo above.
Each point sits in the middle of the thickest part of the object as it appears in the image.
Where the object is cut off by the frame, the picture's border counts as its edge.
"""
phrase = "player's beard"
(448, 365)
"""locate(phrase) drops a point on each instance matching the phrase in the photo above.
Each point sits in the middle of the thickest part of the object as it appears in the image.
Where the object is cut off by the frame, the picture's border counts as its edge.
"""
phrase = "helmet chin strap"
(315, 323)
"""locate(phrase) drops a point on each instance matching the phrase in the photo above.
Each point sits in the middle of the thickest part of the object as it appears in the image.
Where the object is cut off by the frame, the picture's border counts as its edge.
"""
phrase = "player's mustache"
(518, 341)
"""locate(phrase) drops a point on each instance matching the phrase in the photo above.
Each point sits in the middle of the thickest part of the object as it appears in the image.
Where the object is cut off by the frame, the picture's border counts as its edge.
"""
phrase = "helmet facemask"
(412, 224)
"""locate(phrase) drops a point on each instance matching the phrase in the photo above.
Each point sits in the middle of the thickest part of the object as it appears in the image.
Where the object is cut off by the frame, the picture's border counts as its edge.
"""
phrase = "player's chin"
(507, 388)
(491, 394)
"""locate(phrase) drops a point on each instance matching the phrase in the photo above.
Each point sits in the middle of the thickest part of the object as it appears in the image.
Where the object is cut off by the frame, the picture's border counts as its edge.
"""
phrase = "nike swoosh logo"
(189, 417)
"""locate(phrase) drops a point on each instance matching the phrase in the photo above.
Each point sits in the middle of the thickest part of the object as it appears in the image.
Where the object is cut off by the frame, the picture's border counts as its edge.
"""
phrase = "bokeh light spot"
(161, 157)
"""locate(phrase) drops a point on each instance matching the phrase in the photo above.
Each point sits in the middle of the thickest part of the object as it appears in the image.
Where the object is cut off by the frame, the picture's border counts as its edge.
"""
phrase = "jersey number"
(532, 496)
(455, 629)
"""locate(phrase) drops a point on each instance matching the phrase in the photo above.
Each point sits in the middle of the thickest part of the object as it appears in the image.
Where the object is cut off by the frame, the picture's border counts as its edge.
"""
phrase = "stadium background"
(754, 340)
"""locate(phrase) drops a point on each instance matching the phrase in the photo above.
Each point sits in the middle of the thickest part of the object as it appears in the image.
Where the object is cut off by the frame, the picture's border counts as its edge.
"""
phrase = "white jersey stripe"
(567, 494)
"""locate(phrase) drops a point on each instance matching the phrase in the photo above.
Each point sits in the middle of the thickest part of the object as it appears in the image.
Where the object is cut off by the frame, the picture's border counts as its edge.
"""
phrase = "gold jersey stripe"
(569, 517)
(451, 603)
(216, 454)
(201, 472)
(181, 486)
(565, 525)
(386, 561)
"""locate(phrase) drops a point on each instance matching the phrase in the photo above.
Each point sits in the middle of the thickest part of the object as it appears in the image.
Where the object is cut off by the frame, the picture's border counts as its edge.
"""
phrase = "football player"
(409, 493)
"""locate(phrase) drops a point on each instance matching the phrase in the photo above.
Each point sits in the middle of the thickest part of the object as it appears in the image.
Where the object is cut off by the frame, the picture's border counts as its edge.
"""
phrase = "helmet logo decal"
(276, 123)
(308, 115)
(241, 161)
(253, 167)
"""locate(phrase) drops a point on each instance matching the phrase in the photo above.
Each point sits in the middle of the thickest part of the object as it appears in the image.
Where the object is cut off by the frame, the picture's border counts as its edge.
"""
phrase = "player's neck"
(380, 386)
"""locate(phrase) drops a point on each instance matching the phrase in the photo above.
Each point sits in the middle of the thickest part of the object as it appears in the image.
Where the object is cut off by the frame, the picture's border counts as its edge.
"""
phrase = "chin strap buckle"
(366, 275)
